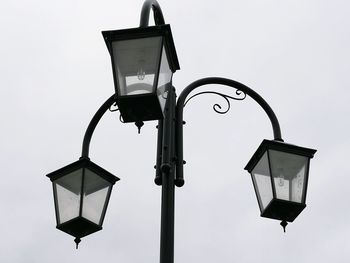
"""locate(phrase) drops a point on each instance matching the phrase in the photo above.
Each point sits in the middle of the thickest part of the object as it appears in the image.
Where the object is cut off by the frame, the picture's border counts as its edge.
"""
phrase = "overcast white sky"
(56, 72)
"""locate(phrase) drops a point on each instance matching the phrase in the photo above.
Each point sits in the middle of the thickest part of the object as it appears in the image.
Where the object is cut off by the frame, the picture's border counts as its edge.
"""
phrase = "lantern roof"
(144, 32)
(278, 146)
(83, 163)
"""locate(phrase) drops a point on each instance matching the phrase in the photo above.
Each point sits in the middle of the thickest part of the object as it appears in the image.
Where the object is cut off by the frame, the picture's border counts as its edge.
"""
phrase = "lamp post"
(143, 62)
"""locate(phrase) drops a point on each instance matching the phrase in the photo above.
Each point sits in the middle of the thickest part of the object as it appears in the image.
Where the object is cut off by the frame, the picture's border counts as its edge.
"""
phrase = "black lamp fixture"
(143, 61)
(280, 174)
(81, 194)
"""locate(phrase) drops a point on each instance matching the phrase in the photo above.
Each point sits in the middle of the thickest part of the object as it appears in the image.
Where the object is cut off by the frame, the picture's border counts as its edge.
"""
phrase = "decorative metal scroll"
(113, 108)
(217, 107)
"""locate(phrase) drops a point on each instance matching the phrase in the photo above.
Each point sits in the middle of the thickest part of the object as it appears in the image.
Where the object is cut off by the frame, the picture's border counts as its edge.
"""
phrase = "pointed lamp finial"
(77, 241)
(284, 224)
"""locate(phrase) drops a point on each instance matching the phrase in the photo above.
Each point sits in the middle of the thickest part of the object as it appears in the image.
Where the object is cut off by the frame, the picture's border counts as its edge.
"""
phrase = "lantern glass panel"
(96, 192)
(136, 64)
(67, 192)
(165, 75)
(262, 182)
(289, 175)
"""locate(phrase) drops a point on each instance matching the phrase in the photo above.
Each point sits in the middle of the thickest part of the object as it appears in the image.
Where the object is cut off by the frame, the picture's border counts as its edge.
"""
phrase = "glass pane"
(96, 190)
(136, 64)
(165, 75)
(288, 171)
(68, 189)
(262, 182)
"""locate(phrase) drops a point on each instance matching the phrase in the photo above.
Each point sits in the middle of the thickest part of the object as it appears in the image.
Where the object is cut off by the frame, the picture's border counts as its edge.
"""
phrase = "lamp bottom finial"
(77, 241)
(284, 224)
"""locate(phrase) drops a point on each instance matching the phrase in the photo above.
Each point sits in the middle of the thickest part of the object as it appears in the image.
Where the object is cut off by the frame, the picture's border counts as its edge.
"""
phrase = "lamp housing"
(280, 174)
(143, 62)
(81, 193)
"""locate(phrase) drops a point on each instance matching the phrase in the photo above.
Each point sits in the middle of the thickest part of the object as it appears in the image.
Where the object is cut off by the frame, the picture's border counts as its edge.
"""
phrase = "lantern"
(143, 62)
(280, 175)
(81, 194)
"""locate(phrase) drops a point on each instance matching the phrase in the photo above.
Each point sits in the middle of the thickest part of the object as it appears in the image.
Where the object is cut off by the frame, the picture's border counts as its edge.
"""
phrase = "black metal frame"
(80, 226)
(287, 210)
(169, 158)
(144, 106)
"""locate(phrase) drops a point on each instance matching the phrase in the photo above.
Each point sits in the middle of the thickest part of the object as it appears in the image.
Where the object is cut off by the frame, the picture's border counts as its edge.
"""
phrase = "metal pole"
(168, 178)
(158, 178)
(165, 166)
(157, 13)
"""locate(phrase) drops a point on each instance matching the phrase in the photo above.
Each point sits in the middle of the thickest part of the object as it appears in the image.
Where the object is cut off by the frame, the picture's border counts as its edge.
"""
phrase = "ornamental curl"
(217, 107)
(113, 108)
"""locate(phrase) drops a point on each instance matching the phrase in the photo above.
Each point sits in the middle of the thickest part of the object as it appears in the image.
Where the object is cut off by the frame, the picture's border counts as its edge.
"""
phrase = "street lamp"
(81, 194)
(143, 61)
(280, 173)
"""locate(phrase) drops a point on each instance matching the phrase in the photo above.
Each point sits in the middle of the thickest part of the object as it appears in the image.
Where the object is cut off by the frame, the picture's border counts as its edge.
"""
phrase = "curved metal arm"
(179, 181)
(157, 13)
(93, 123)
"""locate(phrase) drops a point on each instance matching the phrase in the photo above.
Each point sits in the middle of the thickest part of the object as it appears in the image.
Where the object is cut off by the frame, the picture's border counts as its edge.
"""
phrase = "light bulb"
(141, 74)
(299, 184)
(281, 178)
(300, 181)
